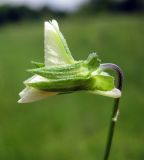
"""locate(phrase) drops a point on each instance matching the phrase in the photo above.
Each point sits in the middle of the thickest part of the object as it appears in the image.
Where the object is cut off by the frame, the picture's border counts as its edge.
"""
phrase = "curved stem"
(115, 113)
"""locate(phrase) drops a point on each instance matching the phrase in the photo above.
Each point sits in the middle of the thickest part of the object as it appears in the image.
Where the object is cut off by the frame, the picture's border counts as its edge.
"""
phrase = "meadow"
(72, 126)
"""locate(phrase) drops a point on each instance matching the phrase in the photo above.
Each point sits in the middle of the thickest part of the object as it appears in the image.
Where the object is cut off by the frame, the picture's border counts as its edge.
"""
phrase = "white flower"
(56, 53)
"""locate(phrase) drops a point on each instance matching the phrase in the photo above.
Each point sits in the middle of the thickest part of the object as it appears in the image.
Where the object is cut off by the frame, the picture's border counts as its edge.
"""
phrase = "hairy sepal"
(79, 69)
(93, 62)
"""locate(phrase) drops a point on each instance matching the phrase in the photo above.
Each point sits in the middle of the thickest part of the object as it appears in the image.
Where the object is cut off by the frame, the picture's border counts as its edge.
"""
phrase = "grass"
(74, 126)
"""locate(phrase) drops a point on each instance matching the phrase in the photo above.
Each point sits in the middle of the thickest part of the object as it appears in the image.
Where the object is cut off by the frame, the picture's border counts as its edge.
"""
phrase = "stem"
(115, 113)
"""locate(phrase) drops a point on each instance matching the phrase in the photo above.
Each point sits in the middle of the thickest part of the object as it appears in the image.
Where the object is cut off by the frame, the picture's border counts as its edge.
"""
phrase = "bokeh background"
(73, 126)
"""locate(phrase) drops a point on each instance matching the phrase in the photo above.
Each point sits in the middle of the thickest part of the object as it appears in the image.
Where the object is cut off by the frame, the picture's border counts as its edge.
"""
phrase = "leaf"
(56, 48)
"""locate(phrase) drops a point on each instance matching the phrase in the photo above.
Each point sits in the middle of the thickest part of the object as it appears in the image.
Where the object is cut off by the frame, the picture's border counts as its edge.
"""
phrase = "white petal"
(115, 93)
(55, 24)
(55, 46)
(31, 94)
(49, 27)
(34, 79)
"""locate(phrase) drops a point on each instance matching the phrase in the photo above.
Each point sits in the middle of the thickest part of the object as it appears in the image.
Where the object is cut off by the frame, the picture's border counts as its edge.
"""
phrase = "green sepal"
(78, 69)
(93, 61)
(61, 85)
(38, 64)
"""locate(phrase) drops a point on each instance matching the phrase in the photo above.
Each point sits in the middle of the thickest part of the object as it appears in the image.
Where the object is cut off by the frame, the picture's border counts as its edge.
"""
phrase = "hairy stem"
(115, 113)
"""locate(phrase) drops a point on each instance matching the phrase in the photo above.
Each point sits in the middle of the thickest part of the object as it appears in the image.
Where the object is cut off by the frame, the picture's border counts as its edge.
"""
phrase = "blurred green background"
(73, 126)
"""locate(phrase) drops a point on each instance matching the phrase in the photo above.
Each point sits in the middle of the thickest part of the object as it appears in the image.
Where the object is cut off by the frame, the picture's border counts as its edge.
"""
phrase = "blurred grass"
(74, 126)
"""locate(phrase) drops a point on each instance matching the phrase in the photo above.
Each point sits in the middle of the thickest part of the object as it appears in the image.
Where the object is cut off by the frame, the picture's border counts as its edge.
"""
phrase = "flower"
(60, 73)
